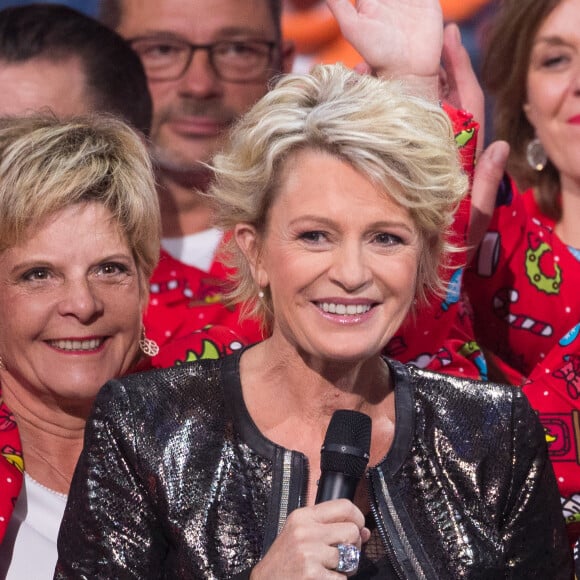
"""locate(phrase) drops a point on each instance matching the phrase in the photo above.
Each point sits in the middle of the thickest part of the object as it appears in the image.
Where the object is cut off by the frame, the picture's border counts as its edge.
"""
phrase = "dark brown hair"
(508, 46)
(116, 81)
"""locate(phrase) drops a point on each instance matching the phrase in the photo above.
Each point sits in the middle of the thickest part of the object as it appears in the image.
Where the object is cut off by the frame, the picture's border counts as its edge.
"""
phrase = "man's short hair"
(116, 81)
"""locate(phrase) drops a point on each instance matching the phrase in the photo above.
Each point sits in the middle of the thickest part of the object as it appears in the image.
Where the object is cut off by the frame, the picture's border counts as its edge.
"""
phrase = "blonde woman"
(79, 237)
(339, 190)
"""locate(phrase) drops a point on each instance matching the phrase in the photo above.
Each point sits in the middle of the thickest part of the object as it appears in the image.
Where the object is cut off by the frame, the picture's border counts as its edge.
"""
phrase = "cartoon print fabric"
(441, 336)
(11, 465)
(184, 299)
(524, 287)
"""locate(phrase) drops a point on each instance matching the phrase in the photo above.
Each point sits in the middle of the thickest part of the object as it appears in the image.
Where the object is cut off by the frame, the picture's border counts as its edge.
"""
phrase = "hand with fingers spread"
(307, 545)
(397, 39)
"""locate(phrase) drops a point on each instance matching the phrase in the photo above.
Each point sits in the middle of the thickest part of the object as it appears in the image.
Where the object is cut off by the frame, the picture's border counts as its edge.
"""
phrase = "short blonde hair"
(400, 142)
(47, 165)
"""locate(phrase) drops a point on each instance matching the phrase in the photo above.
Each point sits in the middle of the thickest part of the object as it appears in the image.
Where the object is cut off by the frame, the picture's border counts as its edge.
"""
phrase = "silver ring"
(348, 558)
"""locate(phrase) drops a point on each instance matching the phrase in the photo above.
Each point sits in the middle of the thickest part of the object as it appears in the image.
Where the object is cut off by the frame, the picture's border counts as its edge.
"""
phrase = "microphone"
(344, 455)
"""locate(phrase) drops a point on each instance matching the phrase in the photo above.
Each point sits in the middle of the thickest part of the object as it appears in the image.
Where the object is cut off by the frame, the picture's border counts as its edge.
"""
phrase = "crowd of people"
(329, 239)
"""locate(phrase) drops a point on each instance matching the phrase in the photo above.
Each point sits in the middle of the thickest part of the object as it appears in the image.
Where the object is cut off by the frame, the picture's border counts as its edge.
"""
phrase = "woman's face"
(340, 260)
(70, 307)
(553, 86)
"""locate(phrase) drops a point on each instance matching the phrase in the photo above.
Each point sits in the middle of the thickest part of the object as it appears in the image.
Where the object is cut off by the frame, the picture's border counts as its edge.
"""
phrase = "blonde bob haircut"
(48, 165)
(401, 143)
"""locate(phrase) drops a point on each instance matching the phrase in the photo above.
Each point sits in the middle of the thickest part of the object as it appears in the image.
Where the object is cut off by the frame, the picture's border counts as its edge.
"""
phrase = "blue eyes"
(313, 236)
(319, 237)
(388, 239)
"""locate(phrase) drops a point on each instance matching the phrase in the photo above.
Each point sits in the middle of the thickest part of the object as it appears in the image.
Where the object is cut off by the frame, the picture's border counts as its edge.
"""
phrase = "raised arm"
(398, 39)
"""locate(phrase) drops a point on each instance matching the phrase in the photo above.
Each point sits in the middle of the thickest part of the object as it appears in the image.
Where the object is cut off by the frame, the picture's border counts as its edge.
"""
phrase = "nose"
(349, 269)
(199, 78)
(80, 300)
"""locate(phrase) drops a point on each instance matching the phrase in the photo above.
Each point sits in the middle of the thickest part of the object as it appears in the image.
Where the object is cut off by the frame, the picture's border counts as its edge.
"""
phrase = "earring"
(148, 347)
(261, 295)
(536, 155)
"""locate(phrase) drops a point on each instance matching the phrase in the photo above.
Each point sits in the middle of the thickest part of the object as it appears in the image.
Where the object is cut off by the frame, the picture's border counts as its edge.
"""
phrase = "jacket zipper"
(389, 550)
(398, 529)
(285, 495)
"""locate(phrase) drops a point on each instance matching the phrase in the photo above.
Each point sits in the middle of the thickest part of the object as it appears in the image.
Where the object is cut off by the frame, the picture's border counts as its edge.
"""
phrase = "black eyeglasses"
(237, 61)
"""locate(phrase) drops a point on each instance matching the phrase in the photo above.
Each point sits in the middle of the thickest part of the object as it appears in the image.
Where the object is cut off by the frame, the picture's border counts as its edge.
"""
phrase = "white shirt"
(196, 250)
(28, 551)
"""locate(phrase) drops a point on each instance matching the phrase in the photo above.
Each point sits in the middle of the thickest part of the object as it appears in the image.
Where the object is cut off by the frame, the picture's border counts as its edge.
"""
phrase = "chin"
(172, 159)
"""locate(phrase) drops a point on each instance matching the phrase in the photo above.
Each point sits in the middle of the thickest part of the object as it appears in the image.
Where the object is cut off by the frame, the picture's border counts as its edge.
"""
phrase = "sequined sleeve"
(533, 529)
(110, 529)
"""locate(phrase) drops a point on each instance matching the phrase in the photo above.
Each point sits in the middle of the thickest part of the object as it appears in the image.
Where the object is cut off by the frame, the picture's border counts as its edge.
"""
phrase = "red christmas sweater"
(441, 337)
(523, 286)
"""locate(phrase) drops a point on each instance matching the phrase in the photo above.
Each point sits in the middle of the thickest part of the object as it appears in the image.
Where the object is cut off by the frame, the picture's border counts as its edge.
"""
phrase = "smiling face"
(339, 259)
(553, 86)
(70, 308)
(192, 112)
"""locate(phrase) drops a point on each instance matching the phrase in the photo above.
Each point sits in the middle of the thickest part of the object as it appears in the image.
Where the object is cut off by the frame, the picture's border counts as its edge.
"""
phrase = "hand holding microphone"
(344, 458)
(323, 541)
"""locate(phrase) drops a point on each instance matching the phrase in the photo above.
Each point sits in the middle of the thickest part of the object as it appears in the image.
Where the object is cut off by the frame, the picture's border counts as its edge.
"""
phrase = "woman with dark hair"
(523, 284)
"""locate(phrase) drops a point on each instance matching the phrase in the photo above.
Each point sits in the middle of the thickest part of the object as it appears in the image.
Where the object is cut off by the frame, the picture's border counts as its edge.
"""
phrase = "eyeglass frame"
(209, 48)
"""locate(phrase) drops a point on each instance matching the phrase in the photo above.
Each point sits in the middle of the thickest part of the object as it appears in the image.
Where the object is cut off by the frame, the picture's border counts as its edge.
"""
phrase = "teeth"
(91, 344)
(350, 309)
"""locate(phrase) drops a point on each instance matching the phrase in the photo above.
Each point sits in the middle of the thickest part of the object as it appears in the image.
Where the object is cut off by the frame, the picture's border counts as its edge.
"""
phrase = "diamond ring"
(348, 558)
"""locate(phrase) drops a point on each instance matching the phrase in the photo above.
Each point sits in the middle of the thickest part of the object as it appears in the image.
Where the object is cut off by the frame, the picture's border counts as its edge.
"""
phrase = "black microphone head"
(347, 443)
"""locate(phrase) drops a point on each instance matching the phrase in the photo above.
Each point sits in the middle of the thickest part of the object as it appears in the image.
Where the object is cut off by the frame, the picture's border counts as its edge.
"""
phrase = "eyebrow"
(378, 224)
(43, 262)
(552, 40)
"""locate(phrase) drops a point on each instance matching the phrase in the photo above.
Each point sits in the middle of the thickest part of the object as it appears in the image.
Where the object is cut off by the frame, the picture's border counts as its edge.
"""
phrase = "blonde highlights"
(401, 143)
(47, 165)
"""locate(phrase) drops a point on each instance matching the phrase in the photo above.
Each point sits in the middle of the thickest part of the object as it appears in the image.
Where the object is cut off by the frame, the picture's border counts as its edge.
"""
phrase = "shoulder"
(490, 412)
(168, 397)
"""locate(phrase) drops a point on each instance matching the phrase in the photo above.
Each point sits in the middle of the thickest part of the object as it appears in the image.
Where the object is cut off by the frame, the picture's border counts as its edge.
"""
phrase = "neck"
(283, 386)
(184, 208)
(292, 403)
(52, 438)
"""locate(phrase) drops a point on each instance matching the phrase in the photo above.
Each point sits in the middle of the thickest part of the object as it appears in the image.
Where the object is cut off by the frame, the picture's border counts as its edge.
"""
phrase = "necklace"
(52, 469)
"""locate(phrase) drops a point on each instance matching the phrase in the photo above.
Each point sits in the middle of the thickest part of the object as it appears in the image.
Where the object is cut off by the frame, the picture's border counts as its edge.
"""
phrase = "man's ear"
(249, 242)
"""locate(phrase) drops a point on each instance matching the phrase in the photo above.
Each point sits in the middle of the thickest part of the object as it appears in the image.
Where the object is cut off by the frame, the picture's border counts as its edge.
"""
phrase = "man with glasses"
(206, 64)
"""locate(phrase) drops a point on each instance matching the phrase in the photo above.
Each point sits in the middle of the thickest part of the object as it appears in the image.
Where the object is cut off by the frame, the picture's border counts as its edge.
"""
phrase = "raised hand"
(489, 171)
(397, 38)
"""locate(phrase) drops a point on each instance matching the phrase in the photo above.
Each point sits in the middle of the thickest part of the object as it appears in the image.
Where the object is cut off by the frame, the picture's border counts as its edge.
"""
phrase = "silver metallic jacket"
(176, 481)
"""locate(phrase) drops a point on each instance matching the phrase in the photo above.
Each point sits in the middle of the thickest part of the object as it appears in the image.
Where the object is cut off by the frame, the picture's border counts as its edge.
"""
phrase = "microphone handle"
(335, 485)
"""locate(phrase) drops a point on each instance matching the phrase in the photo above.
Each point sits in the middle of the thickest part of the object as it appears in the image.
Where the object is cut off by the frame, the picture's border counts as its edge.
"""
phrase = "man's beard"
(172, 161)
(166, 160)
